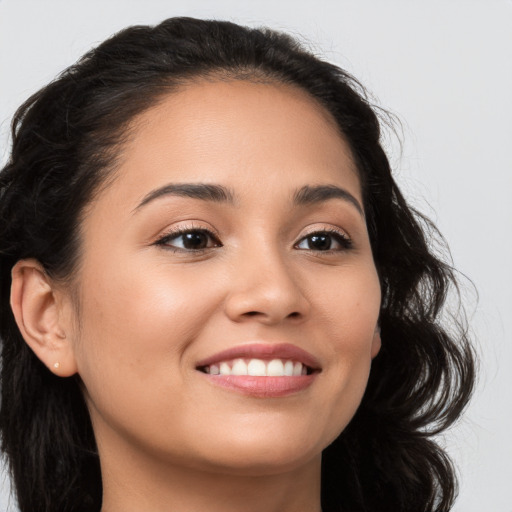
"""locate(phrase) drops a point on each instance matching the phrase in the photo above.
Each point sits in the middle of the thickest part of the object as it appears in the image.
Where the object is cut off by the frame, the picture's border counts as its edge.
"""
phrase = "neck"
(136, 485)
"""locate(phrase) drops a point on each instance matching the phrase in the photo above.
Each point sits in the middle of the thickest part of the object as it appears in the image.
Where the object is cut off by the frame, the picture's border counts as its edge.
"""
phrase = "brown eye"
(320, 242)
(325, 241)
(190, 240)
(195, 240)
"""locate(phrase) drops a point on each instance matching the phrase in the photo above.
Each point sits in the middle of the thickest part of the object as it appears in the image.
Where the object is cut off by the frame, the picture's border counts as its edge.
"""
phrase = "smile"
(262, 370)
(259, 368)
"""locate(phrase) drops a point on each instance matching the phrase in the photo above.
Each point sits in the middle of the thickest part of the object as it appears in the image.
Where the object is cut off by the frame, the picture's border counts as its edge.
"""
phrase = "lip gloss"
(261, 383)
(264, 387)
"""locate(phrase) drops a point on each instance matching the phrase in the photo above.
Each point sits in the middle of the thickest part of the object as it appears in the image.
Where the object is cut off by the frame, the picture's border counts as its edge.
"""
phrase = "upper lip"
(263, 351)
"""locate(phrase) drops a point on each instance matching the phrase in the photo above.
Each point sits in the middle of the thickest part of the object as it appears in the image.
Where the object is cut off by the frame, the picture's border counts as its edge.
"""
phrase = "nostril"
(295, 314)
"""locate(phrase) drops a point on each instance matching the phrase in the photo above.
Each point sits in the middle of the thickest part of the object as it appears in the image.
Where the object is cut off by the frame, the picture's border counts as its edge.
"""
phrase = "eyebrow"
(306, 195)
(310, 195)
(203, 191)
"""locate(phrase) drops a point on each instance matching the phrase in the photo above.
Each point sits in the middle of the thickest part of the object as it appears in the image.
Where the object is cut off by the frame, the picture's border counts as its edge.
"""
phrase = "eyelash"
(173, 235)
(343, 240)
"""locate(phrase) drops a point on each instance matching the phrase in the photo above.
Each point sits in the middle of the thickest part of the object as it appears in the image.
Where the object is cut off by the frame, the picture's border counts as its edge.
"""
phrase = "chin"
(261, 452)
(261, 463)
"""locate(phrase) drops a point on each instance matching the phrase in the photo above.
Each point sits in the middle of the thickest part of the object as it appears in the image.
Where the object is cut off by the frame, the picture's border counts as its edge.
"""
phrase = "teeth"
(224, 369)
(239, 367)
(275, 368)
(258, 368)
(288, 368)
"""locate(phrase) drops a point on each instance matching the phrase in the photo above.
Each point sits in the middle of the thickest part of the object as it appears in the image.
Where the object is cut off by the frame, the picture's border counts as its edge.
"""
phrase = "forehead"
(255, 136)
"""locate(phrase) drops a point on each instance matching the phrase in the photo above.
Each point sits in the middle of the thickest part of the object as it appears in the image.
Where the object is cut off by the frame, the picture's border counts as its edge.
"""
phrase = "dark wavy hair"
(65, 141)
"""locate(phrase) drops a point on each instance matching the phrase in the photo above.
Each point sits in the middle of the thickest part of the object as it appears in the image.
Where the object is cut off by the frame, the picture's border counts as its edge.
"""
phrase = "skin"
(148, 313)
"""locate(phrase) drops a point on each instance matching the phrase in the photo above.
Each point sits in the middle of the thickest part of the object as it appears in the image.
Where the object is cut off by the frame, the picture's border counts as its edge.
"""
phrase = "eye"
(190, 240)
(325, 241)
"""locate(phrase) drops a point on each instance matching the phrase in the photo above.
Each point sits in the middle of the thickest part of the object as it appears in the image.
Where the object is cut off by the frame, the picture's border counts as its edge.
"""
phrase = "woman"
(203, 252)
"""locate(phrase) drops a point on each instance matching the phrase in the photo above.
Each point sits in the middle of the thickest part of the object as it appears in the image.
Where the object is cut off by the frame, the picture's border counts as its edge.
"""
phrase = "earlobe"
(39, 318)
(376, 343)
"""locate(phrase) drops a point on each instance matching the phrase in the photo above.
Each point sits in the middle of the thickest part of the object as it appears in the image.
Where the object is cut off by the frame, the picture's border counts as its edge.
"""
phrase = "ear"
(376, 343)
(38, 311)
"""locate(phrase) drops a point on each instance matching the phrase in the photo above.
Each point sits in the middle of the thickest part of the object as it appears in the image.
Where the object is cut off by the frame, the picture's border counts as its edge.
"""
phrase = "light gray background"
(445, 68)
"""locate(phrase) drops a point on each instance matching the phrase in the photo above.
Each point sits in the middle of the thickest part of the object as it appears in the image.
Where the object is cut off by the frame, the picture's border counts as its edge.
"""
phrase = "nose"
(265, 289)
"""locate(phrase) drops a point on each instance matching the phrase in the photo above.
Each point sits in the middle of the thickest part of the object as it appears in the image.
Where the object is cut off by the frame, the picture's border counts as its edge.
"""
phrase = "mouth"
(261, 370)
(258, 368)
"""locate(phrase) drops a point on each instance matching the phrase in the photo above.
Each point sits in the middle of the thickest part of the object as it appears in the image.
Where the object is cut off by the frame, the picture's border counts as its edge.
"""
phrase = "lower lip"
(263, 387)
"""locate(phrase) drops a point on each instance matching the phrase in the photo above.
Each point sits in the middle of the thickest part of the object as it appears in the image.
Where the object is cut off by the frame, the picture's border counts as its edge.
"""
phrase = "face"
(231, 241)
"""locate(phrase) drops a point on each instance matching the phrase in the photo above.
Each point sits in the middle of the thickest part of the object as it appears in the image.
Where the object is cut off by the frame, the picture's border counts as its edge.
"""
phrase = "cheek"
(133, 352)
(348, 312)
(355, 335)
(348, 305)
(135, 324)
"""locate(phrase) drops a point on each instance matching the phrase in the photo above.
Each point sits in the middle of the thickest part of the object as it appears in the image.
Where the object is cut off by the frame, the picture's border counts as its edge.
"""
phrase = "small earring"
(56, 365)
